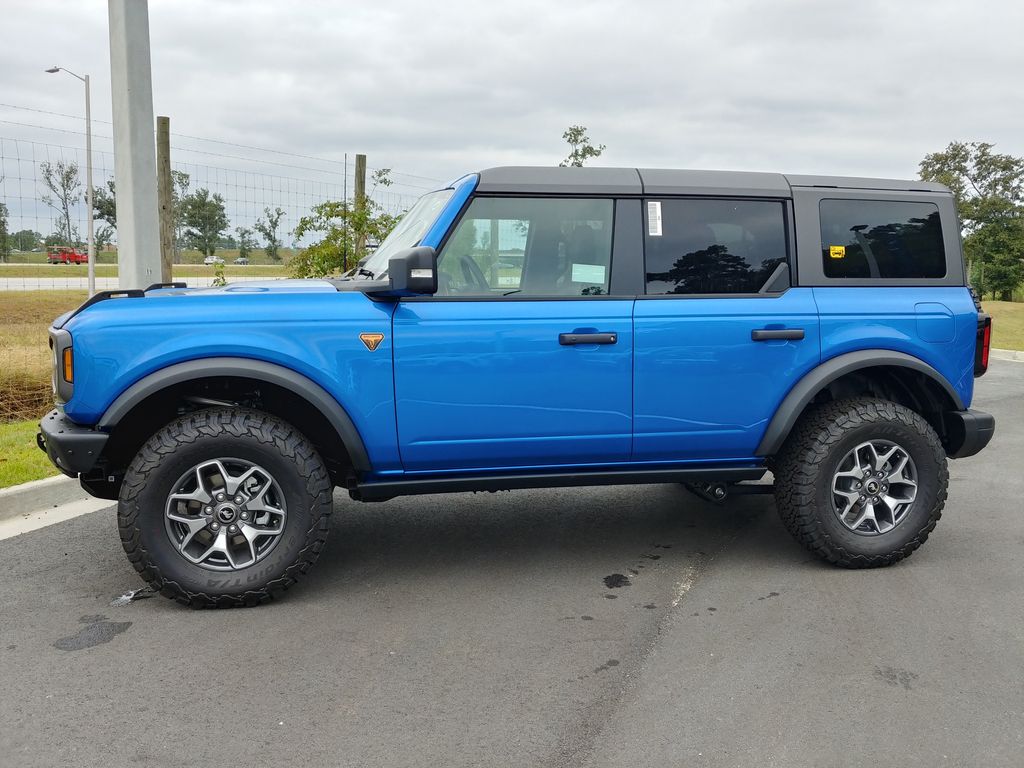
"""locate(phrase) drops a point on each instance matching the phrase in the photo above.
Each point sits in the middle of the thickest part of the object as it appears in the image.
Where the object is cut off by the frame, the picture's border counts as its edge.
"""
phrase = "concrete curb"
(1007, 354)
(39, 495)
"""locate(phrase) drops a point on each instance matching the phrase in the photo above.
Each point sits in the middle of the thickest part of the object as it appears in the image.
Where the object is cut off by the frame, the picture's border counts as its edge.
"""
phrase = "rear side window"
(713, 246)
(881, 239)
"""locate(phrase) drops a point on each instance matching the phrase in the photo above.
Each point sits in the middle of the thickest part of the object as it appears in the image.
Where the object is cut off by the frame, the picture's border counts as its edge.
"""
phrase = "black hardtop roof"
(526, 179)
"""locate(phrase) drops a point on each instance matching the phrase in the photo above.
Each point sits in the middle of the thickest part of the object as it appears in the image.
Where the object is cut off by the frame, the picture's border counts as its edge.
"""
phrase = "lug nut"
(208, 510)
(857, 485)
(233, 528)
(220, 497)
(874, 499)
(215, 526)
(245, 515)
(238, 499)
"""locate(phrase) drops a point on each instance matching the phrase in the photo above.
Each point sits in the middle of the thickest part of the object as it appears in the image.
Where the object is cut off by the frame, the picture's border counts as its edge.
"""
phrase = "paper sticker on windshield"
(837, 251)
(588, 273)
(654, 218)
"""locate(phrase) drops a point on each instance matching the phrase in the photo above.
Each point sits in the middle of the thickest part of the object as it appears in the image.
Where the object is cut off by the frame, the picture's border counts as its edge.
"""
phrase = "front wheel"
(224, 507)
(861, 483)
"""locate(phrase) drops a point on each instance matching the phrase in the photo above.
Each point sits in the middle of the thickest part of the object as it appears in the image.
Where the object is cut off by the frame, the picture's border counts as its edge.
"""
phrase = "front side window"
(712, 246)
(881, 239)
(529, 247)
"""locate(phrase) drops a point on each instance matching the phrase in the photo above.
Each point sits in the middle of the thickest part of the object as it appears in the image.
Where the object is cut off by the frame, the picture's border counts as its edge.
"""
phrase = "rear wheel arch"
(886, 374)
(155, 400)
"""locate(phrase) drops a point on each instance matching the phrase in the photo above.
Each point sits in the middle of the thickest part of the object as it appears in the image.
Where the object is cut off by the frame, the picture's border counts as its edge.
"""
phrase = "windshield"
(409, 231)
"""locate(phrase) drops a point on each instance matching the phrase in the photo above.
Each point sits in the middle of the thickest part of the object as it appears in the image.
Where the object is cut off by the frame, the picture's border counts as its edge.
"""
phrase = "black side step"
(389, 489)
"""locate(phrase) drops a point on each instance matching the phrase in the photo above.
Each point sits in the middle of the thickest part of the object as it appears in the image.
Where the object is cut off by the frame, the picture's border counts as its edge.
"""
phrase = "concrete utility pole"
(131, 85)
(165, 196)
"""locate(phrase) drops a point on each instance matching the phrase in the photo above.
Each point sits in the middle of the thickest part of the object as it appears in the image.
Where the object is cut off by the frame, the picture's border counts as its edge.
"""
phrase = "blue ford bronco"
(539, 327)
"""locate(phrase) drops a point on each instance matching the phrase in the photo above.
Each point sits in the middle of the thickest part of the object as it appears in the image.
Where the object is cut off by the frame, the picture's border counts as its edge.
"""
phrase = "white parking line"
(35, 520)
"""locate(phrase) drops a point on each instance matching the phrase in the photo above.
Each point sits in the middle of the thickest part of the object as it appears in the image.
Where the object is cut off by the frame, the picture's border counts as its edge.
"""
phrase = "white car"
(210, 260)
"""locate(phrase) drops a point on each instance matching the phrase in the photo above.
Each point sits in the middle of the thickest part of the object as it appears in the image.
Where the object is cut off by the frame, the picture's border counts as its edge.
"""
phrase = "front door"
(720, 335)
(522, 359)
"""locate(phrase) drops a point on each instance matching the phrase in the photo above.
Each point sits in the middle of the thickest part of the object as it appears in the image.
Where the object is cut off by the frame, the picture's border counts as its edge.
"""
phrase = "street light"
(88, 174)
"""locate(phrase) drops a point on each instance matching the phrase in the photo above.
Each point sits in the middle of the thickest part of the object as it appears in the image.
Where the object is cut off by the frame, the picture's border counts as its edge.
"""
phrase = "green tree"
(580, 148)
(103, 237)
(64, 192)
(25, 240)
(246, 242)
(989, 192)
(180, 182)
(341, 226)
(268, 228)
(205, 220)
(5, 239)
(995, 252)
(104, 204)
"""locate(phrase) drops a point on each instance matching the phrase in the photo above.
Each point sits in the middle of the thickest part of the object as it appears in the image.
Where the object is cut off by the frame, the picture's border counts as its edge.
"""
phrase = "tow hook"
(713, 492)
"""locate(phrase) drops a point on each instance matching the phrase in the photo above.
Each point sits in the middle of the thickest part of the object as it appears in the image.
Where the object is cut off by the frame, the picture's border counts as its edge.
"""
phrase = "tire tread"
(799, 464)
(238, 423)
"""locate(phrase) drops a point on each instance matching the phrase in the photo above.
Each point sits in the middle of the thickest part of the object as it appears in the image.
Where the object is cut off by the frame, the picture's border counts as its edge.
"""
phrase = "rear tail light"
(983, 344)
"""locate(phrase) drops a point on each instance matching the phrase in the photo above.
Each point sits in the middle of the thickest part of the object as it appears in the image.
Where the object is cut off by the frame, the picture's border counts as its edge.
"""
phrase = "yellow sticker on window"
(837, 251)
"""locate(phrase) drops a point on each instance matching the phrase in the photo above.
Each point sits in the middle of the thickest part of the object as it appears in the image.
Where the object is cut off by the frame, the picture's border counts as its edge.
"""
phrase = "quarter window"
(713, 246)
(529, 247)
(881, 239)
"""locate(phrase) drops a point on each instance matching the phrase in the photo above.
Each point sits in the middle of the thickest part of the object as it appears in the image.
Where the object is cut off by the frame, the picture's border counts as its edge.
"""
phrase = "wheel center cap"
(872, 487)
(227, 514)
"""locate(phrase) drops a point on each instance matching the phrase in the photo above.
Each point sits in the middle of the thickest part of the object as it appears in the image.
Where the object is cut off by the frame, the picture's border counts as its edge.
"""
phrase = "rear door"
(720, 334)
(524, 357)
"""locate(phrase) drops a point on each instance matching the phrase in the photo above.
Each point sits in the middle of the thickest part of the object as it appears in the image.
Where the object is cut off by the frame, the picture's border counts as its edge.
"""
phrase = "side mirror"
(412, 272)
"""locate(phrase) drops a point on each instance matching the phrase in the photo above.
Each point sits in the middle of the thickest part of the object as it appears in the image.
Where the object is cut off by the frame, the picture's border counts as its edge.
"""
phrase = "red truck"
(62, 254)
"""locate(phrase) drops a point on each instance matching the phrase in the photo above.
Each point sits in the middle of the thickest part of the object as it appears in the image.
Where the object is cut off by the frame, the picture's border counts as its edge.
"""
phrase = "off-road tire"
(218, 433)
(812, 453)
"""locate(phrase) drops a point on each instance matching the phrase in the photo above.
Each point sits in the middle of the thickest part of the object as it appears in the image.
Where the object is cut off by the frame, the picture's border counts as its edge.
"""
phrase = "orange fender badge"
(371, 340)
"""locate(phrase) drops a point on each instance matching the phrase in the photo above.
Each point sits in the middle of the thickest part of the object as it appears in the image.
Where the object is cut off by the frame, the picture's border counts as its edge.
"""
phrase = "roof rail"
(155, 286)
(129, 293)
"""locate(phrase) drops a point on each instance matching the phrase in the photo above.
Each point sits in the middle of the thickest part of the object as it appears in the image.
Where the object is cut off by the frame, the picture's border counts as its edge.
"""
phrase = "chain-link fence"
(44, 220)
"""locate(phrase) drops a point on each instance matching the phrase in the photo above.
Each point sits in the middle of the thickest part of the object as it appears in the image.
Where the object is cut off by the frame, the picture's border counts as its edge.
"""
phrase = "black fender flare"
(259, 370)
(814, 380)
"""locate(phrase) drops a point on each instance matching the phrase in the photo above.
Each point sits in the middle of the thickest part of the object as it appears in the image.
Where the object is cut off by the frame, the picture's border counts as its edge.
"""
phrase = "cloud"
(862, 88)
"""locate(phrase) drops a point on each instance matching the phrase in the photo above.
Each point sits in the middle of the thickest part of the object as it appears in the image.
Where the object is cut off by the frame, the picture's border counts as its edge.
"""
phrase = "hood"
(247, 288)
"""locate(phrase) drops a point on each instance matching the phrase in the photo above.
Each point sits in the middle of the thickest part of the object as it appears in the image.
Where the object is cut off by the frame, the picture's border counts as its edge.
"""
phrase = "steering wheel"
(473, 275)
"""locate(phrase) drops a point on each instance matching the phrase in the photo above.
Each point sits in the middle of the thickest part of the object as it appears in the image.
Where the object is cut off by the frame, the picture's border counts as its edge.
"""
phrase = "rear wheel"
(224, 507)
(861, 483)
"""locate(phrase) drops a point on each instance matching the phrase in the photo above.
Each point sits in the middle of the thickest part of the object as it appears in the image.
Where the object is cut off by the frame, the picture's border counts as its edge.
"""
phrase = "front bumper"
(967, 432)
(71, 448)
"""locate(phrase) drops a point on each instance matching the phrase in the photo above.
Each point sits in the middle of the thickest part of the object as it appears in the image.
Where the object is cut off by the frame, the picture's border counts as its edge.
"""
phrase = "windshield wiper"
(509, 293)
(364, 271)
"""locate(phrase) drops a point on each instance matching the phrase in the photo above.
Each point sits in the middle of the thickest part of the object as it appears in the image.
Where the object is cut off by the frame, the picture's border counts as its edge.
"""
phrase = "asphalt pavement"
(625, 626)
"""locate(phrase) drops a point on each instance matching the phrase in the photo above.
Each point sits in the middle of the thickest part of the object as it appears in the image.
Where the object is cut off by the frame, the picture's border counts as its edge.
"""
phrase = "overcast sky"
(437, 89)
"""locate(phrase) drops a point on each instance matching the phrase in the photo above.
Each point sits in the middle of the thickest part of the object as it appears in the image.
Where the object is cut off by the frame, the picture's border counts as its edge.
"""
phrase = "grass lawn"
(24, 349)
(1007, 323)
(20, 459)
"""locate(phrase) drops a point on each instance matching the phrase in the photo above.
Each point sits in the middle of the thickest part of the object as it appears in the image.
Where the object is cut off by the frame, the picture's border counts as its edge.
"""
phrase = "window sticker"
(837, 251)
(653, 218)
(588, 273)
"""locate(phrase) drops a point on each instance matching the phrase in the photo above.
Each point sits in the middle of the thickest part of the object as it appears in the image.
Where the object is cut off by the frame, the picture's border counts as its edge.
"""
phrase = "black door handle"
(569, 339)
(770, 334)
